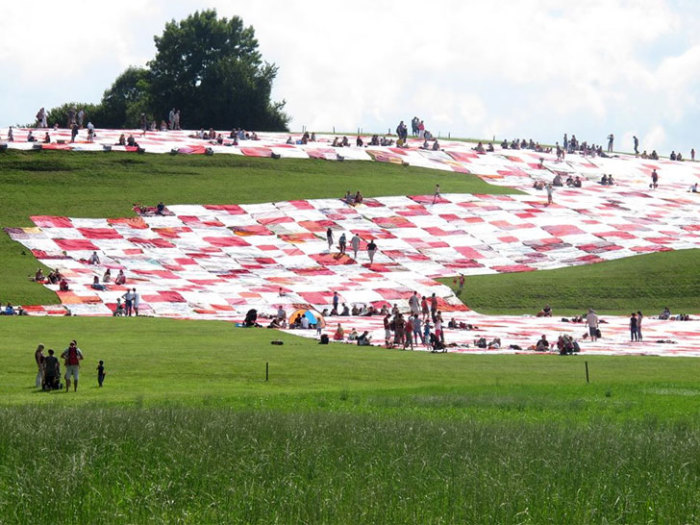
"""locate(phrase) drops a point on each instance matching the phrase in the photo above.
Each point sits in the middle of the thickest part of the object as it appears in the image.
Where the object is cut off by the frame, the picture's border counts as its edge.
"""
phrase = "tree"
(123, 103)
(212, 71)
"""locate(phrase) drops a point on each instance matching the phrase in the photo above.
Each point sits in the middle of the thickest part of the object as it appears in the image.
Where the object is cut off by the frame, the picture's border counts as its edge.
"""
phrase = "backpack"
(72, 358)
(324, 339)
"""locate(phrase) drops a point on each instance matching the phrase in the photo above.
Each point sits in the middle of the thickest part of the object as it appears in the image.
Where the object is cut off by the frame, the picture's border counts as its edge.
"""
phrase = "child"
(101, 373)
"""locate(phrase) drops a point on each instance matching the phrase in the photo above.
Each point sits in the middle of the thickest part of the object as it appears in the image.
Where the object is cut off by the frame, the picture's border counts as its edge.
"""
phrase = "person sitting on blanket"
(121, 141)
(131, 141)
(119, 309)
(436, 145)
(349, 198)
(542, 345)
(39, 276)
(107, 276)
(495, 343)
(94, 258)
(8, 310)
(545, 312)
(353, 335)
(96, 285)
(339, 334)
(358, 197)
(160, 208)
(364, 339)
(47, 138)
(121, 278)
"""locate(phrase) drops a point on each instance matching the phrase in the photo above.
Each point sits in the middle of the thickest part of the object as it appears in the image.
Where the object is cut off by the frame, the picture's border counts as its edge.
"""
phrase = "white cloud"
(529, 68)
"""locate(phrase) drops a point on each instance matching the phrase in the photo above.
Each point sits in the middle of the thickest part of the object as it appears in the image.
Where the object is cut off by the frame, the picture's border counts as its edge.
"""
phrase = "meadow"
(188, 430)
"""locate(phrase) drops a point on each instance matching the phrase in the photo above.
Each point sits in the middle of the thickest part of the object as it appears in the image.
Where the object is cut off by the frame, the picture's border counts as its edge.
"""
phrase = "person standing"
(636, 145)
(52, 372)
(414, 304)
(654, 179)
(592, 322)
(437, 195)
(329, 238)
(371, 250)
(355, 243)
(41, 118)
(136, 300)
(461, 283)
(611, 138)
(550, 191)
(336, 302)
(101, 373)
(39, 358)
(342, 243)
(128, 302)
(72, 356)
(633, 327)
(171, 119)
(639, 326)
(433, 307)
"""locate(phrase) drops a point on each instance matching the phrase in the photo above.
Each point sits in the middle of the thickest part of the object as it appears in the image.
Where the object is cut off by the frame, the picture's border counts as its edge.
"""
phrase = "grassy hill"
(187, 429)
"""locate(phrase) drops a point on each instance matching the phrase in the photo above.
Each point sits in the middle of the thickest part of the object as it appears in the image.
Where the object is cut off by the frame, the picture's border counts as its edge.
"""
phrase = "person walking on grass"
(101, 373)
(72, 356)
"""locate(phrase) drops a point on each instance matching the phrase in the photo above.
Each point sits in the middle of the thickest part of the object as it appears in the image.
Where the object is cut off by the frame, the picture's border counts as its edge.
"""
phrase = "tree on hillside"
(212, 71)
(123, 103)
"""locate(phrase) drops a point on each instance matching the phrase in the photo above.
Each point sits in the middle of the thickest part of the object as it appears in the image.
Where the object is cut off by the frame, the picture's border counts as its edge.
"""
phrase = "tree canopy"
(207, 67)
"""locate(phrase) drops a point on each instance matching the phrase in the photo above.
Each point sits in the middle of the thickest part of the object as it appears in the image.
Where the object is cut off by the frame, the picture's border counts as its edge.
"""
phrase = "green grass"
(645, 282)
(187, 430)
(108, 184)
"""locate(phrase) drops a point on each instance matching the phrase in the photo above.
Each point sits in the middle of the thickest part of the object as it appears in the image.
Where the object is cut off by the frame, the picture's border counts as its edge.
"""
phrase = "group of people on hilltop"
(48, 375)
(519, 144)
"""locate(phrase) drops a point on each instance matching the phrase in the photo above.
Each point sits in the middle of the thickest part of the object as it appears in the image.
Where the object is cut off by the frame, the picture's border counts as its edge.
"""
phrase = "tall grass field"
(202, 422)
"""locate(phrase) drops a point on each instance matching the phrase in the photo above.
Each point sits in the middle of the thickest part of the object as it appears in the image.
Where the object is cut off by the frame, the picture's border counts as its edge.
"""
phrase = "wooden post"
(267, 370)
(587, 379)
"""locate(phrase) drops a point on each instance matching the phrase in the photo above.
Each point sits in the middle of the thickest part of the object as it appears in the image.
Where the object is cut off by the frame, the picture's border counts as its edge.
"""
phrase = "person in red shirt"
(72, 356)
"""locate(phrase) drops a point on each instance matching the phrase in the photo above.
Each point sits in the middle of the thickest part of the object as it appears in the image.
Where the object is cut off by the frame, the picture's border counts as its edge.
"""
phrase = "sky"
(526, 68)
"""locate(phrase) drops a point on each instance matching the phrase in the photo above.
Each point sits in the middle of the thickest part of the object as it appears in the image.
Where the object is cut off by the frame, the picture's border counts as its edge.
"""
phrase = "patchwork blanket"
(217, 262)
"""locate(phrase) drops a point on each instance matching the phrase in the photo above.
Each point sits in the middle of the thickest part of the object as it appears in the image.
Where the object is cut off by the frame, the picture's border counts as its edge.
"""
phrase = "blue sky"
(529, 69)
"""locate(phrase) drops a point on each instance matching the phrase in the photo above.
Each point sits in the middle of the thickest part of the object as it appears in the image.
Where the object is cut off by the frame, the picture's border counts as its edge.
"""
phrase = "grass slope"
(108, 184)
(645, 282)
(187, 430)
